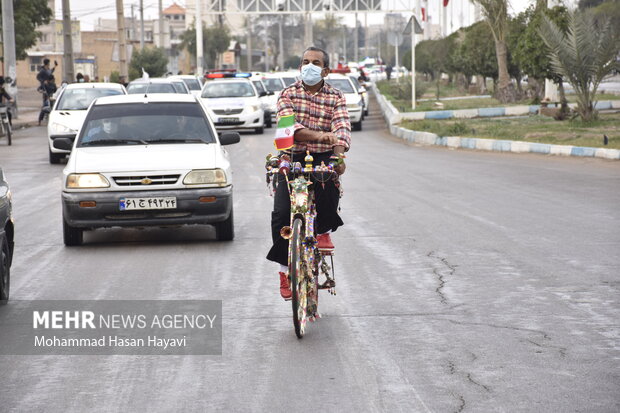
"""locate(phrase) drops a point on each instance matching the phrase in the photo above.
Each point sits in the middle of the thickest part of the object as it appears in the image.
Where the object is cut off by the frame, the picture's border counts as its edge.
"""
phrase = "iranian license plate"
(129, 204)
(228, 120)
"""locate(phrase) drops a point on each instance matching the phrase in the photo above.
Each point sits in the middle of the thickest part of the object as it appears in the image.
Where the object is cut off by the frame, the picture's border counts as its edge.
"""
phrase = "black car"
(6, 238)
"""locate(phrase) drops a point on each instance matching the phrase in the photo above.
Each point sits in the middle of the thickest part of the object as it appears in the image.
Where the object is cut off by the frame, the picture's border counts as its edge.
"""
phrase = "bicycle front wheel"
(299, 281)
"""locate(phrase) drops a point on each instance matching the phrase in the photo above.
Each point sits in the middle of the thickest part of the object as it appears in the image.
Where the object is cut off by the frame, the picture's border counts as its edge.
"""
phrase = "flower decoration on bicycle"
(306, 262)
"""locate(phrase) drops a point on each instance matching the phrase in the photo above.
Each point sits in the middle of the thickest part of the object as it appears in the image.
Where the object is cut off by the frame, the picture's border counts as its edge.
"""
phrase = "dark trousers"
(326, 199)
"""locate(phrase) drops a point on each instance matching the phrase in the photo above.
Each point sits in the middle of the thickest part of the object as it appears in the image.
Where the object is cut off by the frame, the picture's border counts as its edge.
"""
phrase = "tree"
(496, 16)
(584, 55)
(215, 40)
(28, 15)
(530, 51)
(475, 52)
(153, 60)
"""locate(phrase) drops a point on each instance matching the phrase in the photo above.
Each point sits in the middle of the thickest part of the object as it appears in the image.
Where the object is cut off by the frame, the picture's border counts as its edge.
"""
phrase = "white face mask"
(311, 74)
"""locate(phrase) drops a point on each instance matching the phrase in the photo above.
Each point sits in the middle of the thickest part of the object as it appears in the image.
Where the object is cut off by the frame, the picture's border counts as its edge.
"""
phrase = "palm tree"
(584, 55)
(496, 16)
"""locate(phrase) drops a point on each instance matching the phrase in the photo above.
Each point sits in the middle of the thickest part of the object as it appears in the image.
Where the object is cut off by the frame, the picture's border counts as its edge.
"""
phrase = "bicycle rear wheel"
(299, 281)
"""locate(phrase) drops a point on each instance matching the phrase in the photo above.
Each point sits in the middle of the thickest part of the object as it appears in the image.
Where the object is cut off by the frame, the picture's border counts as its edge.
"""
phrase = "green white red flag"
(284, 133)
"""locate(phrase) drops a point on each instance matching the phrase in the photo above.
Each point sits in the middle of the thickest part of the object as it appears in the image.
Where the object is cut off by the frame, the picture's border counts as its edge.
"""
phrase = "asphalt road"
(467, 281)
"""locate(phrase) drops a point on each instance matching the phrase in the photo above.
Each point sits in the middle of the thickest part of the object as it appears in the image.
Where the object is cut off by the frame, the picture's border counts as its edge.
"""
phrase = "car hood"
(70, 118)
(158, 157)
(229, 103)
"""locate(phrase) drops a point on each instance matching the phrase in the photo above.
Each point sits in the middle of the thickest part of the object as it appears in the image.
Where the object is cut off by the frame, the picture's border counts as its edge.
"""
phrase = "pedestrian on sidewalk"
(45, 72)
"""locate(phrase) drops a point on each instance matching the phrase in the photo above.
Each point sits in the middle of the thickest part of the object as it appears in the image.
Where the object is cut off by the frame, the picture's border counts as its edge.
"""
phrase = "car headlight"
(353, 106)
(205, 176)
(59, 128)
(252, 108)
(81, 181)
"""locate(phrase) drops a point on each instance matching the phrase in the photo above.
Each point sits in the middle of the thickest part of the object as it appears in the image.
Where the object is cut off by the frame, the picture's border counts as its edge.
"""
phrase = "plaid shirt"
(326, 111)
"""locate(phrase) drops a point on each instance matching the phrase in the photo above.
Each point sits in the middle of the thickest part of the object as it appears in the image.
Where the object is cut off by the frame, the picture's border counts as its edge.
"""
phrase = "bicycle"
(5, 125)
(306, 262)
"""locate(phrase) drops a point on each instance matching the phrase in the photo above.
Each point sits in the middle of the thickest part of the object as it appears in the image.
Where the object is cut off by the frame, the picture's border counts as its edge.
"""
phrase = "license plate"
(228, 120)
(129, 204)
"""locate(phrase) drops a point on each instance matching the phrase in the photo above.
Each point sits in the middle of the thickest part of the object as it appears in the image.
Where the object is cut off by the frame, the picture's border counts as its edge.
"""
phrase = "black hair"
(79, 76)
(317, 49)
(46, 62)
(2, 80)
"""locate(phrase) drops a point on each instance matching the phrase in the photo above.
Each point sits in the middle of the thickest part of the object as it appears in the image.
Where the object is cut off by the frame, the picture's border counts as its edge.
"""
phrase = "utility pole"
(366, 34)
(249, 44)
(67, 42)
(551, 89)
(161, 24)
(141, 24)
(356, 51)
(281, 47)
(122, 48)
(199, 58)
(8, 40)
(133, 25)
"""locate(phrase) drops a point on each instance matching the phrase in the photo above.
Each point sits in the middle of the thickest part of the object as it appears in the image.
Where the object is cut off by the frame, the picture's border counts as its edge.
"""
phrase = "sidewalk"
(29, 105)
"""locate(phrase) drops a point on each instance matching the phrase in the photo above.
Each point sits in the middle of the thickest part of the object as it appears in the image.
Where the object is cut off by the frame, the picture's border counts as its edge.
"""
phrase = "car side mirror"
(65, 144)
(228, 138)
(261, 94)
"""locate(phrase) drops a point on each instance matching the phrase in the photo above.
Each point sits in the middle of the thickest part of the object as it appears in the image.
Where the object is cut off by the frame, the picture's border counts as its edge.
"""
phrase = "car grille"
(227, 111)
(146, 180)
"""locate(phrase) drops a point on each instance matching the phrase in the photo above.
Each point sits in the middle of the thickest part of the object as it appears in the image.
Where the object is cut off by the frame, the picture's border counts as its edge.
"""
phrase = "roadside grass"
(533, 128)
(401, 99)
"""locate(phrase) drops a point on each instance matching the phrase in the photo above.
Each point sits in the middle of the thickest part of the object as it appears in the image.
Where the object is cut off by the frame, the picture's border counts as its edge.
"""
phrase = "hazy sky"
(88, 11)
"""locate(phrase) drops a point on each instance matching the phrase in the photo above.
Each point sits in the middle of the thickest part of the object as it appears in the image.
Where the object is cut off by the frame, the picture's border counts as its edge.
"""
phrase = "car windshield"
(355, 83)
(289, 80)
(273, 84)
(343, 84)
(139, 123)
(259, 86)
(179, 86)
(141, 87)
(80, 99)
(228, 90)
(192, 84)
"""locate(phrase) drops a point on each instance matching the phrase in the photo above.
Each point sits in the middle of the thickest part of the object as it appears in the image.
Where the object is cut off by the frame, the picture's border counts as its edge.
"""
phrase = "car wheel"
(5, 269)
(225, 231)
(259, 130)
(268, 123)
(55, 157)
(71, 236)
(357, 126)
(366, 112)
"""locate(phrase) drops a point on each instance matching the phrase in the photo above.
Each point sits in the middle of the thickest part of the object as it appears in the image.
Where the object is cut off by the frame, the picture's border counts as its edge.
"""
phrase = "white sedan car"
(234, 103)
(151, 160)
(70, 109)
(355, 103)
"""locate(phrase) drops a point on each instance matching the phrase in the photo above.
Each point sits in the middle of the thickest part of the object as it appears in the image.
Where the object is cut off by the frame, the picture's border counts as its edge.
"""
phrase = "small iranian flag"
(284, 134)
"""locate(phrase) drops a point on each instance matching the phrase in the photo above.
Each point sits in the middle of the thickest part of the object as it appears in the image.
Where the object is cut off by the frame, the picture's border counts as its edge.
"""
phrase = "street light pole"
(281, 47)
(122, 48)
(199, 58)
(8, 36)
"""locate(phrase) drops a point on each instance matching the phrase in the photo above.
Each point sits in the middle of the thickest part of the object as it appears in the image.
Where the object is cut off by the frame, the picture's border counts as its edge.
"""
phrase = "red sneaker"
(324, 242)
(285, 288)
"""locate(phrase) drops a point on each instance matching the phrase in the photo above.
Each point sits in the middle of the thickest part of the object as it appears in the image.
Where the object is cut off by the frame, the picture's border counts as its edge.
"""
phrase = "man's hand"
(339, 151)
(327, 137)
(340, 168)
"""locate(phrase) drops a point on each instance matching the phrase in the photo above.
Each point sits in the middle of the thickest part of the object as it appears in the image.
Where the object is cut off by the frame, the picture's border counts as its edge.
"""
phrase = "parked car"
(362, 91)
(274, 84)
(355, 103)
(152, 160)
(234, 103)
(7, 231)
(69, 111)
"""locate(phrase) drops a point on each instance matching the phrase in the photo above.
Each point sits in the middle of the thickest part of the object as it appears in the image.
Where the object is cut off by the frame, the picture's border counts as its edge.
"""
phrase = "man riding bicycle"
(322, 127)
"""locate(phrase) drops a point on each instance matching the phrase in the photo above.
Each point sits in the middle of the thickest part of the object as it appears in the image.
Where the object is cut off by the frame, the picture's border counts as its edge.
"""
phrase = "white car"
(361, 89)
(355, 103)
(274, 84)
(152, 160)
(153, 85)
(234, 103)
(264, 97)
(192, 83)
(70, 109)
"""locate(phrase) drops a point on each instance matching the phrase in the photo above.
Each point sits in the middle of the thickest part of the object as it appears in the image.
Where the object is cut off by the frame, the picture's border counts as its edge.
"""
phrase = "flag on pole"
(284, 133)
